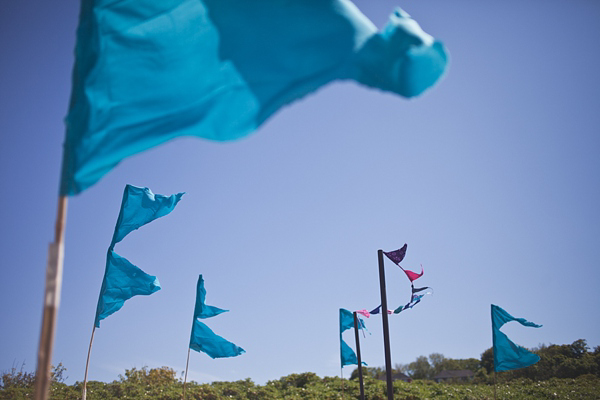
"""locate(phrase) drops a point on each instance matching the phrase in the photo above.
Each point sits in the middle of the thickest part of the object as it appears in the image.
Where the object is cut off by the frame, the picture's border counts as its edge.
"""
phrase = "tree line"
(557, 361)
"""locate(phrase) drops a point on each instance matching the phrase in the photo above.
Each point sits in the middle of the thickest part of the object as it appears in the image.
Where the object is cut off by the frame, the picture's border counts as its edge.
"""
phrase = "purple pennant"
(397, 255)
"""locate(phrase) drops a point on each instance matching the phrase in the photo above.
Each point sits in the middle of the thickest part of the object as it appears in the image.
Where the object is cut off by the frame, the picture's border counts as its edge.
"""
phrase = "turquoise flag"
(347, 355)
(201, 310)
(123, 280)
(148, 71)
(202, 338)
(508, 355)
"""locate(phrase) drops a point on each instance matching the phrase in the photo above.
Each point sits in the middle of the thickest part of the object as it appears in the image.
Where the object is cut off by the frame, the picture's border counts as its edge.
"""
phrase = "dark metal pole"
(386, 328)
(360, 375)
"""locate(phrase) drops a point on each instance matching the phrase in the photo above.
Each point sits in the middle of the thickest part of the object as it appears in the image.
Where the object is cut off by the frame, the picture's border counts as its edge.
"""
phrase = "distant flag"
(218, 69)
(396, 257)
(364, 313)
(377, 310)
(412, 276)
(508, 355)
(415, 298)
(202, 339)
(123, 280)
(347, 355)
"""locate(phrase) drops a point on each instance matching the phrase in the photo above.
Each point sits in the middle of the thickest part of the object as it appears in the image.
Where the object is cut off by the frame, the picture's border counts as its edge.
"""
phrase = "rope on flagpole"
(54, 272)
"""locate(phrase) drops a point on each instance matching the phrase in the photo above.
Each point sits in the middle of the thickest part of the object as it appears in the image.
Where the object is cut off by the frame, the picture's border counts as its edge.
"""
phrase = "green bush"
(161, 383)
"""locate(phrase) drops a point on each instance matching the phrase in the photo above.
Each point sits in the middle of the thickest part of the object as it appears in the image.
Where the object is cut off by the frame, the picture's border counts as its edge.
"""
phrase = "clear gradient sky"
(492, 178)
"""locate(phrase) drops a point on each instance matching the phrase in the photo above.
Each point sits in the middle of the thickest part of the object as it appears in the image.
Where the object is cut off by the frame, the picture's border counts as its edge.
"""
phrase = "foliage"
(160, 383)
(428, 367)
(19, 384)
(372, 372)
(564, 372)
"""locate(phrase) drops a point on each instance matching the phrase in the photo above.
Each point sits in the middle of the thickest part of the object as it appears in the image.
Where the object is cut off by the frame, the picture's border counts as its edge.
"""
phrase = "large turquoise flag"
(202, 338)
(123, 280)
(508, 355)
(148, 71)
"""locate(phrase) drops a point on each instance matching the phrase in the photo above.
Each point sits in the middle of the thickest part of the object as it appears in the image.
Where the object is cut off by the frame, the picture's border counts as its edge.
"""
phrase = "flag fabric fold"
(508, 355)
(347, 355)
(377, 310)
(412, 276)
(201, 310)
(139, 207)
(202, 338)
(123, 280)
(219, 68)
(397, 256)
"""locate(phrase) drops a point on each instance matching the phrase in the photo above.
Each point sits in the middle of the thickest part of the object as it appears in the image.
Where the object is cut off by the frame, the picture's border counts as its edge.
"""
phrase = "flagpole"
(54, 271)
(342, 375)
(386, 329)
(186, 370)
(360, 375)
(87, 363)
(493, 349)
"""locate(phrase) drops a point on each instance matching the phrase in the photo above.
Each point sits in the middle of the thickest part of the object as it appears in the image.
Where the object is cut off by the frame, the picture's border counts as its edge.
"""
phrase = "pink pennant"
(413, 276)
(364, 313)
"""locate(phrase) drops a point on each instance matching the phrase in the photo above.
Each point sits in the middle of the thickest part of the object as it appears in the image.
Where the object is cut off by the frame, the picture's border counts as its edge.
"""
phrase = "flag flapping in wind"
(417, 294)
(347, 355)
(508, 355)
(148, 71)
(123, 280)
(202, 338)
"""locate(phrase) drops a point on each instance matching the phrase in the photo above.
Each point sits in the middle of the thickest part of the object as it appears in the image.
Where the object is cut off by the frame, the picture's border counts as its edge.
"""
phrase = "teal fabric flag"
(202, 339)
(347, 355)
(123, 280)
(139, 207)
(508, 355)
(201, 310)
(148, 71)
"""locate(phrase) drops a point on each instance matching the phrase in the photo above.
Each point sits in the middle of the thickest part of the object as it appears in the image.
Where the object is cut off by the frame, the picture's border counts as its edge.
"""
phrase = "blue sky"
(492, 179)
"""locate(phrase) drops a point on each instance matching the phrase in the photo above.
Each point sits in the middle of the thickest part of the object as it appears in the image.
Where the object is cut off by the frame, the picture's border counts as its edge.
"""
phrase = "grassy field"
(162, 384)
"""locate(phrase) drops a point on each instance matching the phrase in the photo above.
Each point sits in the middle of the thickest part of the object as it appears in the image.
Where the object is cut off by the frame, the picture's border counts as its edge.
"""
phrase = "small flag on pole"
(347, 355)
(202, 339)
(123, 280)
(508, 355)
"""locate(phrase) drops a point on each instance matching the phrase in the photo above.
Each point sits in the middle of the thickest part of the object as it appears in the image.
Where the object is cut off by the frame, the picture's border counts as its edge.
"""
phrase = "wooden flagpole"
(186, 370)
(386, 328)
(360, 375)
(54, 271)
(87, 364)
